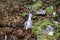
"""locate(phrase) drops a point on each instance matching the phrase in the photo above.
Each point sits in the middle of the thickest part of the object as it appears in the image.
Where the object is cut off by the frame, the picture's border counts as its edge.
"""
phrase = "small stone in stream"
(41, 12)
(51, 33)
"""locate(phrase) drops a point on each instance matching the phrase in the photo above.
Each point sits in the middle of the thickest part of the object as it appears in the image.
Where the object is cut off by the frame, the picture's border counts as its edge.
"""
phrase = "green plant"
(57, 32)
(49, 10)
(36, 5)
(56, 2)
(24, 14)
(38, 26)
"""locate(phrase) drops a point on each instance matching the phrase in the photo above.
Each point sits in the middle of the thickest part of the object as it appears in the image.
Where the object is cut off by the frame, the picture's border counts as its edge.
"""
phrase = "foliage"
(35, 6)
(57, 32)
(56, 2)
(24, 14)
(49, 10)
(38, 26)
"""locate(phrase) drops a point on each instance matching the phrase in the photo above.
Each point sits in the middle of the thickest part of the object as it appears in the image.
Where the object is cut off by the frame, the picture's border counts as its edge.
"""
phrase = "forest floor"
(12, 19)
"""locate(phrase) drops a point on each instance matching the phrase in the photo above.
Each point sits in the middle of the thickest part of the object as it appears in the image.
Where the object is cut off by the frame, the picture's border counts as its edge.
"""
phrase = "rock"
(51, 33)
(34, 0)
(41, 12)
(51, 7)
(54, 14)
(38, 37)
(55, 23)
(49, 30)
(57, 19)
(28, 23)
(44, 31)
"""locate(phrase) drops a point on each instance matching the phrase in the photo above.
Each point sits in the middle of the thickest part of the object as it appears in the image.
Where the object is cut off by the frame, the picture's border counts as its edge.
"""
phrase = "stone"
(54, 14)
(28, 23)
(34, 0)
(41, 12)
(49, 30)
